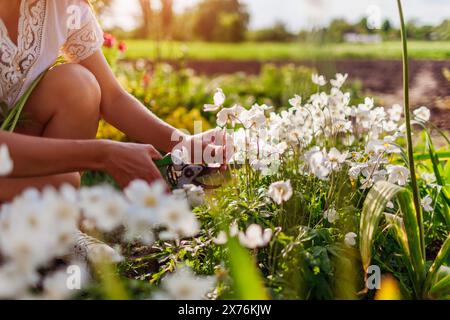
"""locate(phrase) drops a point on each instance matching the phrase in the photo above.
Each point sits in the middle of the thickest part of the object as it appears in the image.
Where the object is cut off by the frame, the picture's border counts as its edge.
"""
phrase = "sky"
(298, 14)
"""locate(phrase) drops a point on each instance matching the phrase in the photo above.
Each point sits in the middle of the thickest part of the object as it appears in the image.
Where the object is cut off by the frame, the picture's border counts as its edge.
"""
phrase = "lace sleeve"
(84, 41)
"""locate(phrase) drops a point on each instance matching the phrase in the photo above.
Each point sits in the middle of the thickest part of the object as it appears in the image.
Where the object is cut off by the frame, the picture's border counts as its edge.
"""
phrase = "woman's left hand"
(210, 147)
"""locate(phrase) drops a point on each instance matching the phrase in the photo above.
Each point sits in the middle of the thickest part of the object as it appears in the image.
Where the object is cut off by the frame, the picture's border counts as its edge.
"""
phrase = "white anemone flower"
(319, 79)
(234, 229)
(422, 114)
(13, 284)
(350, 239)
(177, 217)
(397, 174)
(315, 159)
(339, 81)
(108, 211)
(221, 238)
(253, 118)
(195, 195)
(426, 204)
(395, 113)
(331, 215)
(255, 237)
(336, 158)
(429, 178)
(219, 100)
(139, 225)
(229, 115)
(36, 228)
(185, 285)
(296, 102)
(139, 192)
(6, 163)
(280, 191)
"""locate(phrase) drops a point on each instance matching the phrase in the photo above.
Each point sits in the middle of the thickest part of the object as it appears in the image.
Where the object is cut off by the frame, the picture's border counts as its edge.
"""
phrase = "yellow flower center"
(150, 202)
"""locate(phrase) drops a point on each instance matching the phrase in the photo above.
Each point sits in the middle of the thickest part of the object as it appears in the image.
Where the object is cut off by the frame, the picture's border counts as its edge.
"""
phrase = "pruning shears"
(178, 174)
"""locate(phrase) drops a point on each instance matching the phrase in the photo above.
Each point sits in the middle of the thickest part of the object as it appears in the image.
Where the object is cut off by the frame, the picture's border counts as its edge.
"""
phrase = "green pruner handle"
(165, 161)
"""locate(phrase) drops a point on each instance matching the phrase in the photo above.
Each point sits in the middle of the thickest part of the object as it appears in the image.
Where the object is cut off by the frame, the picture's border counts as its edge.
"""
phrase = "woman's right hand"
(126, 162)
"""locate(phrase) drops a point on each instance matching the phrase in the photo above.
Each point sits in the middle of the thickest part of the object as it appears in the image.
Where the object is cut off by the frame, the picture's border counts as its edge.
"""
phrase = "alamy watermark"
(73, 21)
(373, 280)
(74, 277)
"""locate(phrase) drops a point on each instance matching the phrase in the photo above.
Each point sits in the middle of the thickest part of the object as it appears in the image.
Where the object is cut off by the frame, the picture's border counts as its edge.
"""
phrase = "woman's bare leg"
(65, 105)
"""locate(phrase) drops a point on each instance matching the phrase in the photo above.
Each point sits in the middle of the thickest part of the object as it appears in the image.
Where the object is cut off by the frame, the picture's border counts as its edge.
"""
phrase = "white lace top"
(47, 29)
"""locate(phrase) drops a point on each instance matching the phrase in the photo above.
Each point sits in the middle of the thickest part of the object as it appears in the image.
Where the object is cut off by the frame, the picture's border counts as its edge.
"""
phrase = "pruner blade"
(179, 174)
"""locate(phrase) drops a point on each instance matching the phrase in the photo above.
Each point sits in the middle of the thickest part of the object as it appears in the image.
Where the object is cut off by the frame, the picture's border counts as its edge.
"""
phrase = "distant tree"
(363, 27)
(386, 26)
(167, 17)
(277, 33)
(221, 20)
(442, 31)
(147, 18)
(337, 29)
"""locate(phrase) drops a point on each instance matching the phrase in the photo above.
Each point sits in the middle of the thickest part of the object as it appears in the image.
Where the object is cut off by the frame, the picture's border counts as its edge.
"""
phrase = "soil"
(380, 78)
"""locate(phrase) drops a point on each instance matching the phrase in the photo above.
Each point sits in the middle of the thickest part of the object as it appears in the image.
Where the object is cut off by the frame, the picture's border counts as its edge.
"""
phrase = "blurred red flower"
(146, 79)
(108, 40)
(122, 46)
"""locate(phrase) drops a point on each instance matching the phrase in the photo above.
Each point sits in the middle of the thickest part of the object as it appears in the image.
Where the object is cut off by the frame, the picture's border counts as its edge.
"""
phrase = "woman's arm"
(34, 156)
(125, 112)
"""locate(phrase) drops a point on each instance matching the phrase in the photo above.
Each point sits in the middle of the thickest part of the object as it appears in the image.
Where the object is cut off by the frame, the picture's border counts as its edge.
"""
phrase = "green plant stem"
(415, 188)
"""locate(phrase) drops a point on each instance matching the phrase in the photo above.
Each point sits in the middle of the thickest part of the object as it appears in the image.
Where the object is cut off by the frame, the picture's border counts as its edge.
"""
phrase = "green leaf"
(447, 171)
(441, 258)
(439, 174)
(247, 281)
(398, 226)
(414, 239)
(443, 155)
(434, 160)
(374, 205)
(441, 288)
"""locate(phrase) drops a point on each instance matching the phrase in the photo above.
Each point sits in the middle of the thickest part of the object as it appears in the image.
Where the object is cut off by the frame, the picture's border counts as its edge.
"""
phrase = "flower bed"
(296, 218)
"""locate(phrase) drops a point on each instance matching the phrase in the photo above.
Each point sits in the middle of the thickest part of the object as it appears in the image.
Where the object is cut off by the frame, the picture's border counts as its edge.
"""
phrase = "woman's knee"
(77, 89)
(70, 89)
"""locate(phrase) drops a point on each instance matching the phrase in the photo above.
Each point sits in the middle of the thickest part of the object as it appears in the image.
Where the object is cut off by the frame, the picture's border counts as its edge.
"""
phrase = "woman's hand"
(126, 162)
(210, 147)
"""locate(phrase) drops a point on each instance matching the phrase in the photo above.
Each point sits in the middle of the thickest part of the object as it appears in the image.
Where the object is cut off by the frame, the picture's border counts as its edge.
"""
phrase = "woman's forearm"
(34, 157)
(128, 114)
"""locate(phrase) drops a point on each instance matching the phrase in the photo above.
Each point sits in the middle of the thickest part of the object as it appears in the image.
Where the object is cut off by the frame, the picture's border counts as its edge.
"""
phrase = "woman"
(70, 98)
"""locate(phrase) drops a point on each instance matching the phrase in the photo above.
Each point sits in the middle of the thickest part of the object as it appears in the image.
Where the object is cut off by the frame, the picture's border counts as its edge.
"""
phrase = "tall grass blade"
(412, 169)
(247, 281)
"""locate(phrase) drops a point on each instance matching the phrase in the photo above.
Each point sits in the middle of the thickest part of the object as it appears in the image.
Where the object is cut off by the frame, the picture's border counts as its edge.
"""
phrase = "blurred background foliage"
(228, 21)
